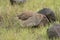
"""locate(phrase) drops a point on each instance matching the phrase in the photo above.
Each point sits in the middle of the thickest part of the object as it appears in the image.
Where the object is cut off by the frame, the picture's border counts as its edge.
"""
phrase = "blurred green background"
(10, 27)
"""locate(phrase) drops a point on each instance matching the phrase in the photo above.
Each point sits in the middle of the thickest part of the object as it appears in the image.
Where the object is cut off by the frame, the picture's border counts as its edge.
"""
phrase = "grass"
(10, 28)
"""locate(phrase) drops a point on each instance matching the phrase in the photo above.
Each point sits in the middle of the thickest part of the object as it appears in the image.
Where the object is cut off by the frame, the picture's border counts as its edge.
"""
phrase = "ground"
(9, 26)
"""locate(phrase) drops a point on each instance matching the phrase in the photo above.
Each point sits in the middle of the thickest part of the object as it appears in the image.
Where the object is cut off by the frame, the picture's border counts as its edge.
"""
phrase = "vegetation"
(10, 27)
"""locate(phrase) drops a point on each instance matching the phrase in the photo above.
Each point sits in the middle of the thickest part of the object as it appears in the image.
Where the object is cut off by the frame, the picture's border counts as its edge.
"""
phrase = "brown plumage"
(29, 18)
(25, 15)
